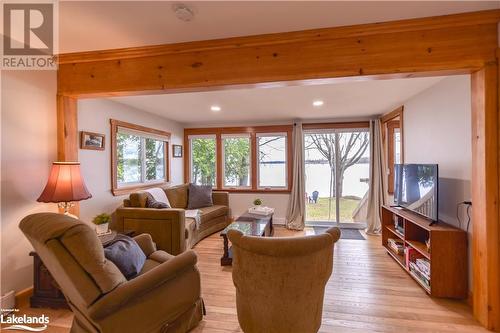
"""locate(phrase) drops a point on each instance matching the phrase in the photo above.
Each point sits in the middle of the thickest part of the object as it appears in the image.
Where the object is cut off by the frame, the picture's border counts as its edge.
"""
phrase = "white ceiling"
(94, 25)
(346, 100)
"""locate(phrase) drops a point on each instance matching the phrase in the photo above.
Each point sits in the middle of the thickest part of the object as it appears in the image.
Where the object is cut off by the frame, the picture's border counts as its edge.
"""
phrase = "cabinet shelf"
(447, 258)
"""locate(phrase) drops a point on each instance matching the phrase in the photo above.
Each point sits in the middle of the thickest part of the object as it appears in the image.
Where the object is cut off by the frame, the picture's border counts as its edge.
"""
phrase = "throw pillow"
(199, 196)
(152, 203)
(126, 254)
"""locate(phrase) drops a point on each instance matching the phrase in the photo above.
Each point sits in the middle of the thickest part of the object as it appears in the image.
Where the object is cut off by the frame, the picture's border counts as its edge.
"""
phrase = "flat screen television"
(416, 188)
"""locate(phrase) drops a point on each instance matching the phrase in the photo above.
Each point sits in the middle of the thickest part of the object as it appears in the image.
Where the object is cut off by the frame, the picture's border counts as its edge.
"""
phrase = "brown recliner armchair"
(164, 297)
(280, 282)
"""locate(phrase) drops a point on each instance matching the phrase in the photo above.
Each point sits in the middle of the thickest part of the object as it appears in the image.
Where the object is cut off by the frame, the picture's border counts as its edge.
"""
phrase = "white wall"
(94, 116)
(240, 202)
(437, 129)
(28, 135)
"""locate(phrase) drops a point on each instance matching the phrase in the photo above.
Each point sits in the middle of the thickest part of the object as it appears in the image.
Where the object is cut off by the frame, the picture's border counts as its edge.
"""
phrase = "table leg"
(226, 259)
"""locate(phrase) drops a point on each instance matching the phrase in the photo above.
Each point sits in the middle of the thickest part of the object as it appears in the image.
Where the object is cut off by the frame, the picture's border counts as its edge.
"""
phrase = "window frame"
(147, 133)
(219, 132)
(287, 161)
(188, 155)
(223, 159)
(388, 124)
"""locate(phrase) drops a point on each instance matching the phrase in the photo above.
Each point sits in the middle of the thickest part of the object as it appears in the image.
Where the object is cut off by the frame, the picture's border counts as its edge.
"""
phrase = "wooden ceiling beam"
(455, 43)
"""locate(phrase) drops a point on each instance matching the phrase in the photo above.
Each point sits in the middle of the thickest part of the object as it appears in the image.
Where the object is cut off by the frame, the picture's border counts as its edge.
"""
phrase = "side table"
(46, 291)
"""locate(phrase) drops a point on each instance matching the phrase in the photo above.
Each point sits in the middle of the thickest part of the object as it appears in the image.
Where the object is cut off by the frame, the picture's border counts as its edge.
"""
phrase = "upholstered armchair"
(164, 297)
(280, 282)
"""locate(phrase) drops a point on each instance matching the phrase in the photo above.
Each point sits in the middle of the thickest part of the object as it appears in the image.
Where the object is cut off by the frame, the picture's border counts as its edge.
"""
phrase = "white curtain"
(295, 217)
(378, 179)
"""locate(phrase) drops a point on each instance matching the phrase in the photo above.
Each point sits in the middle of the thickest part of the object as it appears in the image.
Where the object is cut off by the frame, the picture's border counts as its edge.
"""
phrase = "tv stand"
(447, 253)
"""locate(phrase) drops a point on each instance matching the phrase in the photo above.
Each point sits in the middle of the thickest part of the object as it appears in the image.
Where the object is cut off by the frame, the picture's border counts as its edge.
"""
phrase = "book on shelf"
(425, 279)
(396, 245)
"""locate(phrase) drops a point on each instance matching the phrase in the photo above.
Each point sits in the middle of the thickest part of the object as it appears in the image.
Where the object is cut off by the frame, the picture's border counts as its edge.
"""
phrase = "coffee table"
(249, 225)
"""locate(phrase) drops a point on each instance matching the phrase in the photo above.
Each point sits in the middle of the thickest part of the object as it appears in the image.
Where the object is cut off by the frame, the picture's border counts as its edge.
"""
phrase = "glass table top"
(248, 228)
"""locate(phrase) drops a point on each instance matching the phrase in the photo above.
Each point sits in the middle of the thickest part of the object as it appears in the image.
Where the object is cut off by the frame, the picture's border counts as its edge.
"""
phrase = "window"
(139, 157)
(392, 128)
(272, 155)
(240, 159)
(203, 161)
(237, 156)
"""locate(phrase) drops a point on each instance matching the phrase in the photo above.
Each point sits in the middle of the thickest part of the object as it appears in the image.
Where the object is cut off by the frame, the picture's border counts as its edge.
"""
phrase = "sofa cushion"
(200, 196)
(155, 259)
(210, 213)
(178, 196)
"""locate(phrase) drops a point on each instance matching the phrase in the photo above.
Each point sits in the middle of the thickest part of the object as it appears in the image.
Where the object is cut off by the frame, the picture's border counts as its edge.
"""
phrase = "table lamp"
(65, 185)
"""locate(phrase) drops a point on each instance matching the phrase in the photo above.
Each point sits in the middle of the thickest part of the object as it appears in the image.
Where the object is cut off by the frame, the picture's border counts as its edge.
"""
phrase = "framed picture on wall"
(176, 150)
(91, 141)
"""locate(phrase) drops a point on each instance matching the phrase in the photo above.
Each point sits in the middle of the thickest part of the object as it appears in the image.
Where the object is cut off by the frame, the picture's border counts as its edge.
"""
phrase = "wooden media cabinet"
(447, 252)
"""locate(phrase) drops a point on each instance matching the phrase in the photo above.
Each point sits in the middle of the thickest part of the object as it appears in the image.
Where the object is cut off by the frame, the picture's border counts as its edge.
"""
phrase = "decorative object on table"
(101, 222)
(91, 141)
(257, 202)
(64, 186)
(261, 210)
(176, 150)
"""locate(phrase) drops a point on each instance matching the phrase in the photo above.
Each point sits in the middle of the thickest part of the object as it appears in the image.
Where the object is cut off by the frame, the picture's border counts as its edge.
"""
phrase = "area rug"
(344, 233)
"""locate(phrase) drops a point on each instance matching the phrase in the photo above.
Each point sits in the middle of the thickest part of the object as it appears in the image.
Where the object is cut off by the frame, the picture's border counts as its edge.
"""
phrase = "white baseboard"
(279, 220)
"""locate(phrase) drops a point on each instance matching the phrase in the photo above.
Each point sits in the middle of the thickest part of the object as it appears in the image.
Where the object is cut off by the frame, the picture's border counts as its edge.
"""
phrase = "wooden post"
(485, 189)
(67, 135)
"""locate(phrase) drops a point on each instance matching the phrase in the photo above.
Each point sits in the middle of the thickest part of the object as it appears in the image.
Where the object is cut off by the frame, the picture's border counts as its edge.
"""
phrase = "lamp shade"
(65, 184)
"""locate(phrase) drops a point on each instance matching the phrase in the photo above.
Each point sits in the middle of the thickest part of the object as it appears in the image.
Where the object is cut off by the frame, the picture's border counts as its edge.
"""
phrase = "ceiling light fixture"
(215, 108)
(183, 12)
(318, 103)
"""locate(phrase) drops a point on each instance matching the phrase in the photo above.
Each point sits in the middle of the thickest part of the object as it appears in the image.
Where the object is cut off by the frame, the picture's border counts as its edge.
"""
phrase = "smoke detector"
(183, 12)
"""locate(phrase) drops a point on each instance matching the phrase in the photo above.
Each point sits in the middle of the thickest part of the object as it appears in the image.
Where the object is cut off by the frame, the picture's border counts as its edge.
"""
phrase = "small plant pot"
(101, 228)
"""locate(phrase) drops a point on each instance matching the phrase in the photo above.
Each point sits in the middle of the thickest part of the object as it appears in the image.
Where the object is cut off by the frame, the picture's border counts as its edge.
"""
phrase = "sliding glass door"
(337, 173)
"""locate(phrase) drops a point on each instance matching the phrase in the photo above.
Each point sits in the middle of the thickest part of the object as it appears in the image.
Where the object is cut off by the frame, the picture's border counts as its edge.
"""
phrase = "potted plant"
(257, 202)
(101, 222)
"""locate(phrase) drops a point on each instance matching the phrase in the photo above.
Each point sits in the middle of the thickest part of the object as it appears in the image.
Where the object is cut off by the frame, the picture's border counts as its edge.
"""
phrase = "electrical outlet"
(8, 301)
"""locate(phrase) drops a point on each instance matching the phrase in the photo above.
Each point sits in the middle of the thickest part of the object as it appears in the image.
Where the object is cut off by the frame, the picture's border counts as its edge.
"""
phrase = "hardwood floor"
(368, 292)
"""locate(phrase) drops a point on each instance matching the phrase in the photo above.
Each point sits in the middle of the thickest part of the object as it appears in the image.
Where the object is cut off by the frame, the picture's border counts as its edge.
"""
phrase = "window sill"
(134, 188)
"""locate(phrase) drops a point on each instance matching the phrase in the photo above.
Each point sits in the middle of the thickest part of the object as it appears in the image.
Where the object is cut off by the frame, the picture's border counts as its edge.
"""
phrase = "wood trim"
(485, 189)
(339, 125)
(133, 188)
(400, 26)
(387, 140)
(461, 46)
(253, 131)
(67, 129)
(393, 114)
(119, 123)
(23, 298)
(253, 159)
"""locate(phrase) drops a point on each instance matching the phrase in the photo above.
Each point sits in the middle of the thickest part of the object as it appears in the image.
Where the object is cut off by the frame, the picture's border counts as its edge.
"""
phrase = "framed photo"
(92, 141)
(176, 150)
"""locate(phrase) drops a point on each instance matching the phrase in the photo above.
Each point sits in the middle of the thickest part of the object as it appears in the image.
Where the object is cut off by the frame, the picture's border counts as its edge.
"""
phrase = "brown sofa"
(280, 282)
(164, 297)
(170, 229)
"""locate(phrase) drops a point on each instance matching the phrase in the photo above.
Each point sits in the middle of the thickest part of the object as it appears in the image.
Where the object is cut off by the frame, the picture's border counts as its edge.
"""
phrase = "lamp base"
(65, 206)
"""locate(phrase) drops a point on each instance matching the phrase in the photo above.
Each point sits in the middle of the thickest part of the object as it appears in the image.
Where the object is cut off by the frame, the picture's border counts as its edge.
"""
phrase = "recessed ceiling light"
(215, 108)
(318, 103)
